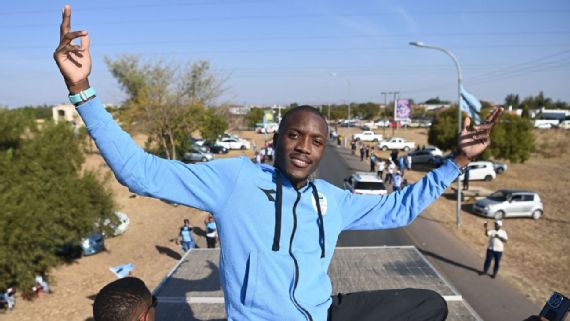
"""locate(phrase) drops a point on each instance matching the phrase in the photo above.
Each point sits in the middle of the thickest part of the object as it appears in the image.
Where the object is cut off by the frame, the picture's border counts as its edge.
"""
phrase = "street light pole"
(452, 56)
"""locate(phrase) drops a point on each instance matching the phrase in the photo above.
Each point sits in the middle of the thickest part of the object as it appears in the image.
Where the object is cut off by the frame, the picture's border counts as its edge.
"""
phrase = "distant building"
(67, 113)
(433, 107)
(239, 110)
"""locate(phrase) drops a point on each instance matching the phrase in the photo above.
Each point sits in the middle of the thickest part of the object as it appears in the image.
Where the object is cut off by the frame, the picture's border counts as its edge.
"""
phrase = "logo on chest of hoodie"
(322, 201)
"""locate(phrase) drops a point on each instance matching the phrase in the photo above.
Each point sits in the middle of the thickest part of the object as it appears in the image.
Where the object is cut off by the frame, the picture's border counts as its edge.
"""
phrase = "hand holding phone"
(556, 307)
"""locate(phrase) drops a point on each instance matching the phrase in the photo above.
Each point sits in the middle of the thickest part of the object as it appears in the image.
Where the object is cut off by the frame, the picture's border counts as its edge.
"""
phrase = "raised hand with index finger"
(74, 61)
(472, 142)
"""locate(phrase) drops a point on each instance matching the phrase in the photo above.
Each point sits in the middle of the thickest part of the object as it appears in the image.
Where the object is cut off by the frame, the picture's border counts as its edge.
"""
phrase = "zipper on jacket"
(299, 307)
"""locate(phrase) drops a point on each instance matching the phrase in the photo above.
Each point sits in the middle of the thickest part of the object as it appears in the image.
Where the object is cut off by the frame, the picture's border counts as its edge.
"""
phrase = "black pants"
(389, 305)
(211, 241)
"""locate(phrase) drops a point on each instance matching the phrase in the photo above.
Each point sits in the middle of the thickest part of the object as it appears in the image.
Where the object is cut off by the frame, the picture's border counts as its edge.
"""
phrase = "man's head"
(186, 222)
(300, 143)
(498, 224)
(126, 299)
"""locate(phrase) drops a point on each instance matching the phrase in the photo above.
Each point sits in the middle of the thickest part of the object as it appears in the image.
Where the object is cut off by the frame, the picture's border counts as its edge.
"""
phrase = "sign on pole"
(402, 110)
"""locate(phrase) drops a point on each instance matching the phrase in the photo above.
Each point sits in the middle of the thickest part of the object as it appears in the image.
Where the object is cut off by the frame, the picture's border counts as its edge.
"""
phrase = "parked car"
(367, 136)
(365, 183)
(382, 123)
(425, 155)
(480, 171)
(234, 143)
(215, 148)
(396, 143)
(510, 203)
(500, 168)
(196, 154)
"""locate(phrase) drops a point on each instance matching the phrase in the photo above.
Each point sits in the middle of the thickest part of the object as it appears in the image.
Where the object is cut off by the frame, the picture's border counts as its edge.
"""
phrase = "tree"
(512, 100)
(512, 139)
(254, 116)
(45, 201)
(443, 131)
(166, 101)
(214, 125)
(436, 101)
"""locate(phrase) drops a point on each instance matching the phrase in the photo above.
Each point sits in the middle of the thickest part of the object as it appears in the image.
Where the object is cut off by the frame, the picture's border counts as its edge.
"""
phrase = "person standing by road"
(211, 232)
(466, 178)
(373, 162)
(497, 239)
(381, 167)
(278, 225)
(185, 235)
(397, 182)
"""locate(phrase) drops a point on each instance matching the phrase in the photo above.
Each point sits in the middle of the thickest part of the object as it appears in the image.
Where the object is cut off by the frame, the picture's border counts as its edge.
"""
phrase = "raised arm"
(204, 186)
(401, 208)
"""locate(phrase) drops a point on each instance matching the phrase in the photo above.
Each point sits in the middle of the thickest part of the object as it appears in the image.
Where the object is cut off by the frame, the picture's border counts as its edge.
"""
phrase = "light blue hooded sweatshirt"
(277, 241)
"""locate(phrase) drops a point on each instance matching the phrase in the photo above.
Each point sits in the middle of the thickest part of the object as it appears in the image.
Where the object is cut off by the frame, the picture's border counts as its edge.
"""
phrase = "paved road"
(493, 299)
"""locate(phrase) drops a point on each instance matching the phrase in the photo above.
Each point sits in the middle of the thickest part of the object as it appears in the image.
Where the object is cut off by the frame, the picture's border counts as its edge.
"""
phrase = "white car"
(234, 143)
(398, 143)
(365, 183)
(510, 203)
(480, 171)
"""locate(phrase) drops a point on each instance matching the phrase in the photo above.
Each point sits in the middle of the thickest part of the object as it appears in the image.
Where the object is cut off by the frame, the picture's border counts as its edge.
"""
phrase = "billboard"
(402, 109)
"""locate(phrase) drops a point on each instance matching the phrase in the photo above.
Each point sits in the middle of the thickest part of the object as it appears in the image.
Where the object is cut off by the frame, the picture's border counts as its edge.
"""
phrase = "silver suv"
(510, 203)
(365, 183)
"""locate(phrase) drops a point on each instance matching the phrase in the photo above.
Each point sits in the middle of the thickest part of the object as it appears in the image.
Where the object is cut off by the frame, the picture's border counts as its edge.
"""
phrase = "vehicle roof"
(514, 190)
(366, 177)
(481, 162)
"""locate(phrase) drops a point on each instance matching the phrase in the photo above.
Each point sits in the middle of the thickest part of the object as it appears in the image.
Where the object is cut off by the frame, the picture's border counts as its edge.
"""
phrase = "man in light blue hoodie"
(277, 226)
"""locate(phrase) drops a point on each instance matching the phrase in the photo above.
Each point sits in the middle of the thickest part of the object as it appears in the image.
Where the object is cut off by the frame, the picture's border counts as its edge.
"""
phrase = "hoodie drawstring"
(320, 219)
(278, 214)
(278, 205)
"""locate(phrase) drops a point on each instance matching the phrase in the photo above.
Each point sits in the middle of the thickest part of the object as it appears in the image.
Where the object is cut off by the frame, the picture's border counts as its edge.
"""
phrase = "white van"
(480, 171)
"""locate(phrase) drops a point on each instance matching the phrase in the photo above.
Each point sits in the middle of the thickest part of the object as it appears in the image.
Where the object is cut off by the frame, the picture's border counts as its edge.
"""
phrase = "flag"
(471, 105)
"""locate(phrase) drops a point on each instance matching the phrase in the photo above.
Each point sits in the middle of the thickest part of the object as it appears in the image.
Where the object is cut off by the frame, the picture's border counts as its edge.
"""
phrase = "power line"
(293, 37)
(277, 17)
(233, 2)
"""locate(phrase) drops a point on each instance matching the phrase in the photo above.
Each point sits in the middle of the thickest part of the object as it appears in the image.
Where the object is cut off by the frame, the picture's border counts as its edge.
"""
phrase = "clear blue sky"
(307, 51)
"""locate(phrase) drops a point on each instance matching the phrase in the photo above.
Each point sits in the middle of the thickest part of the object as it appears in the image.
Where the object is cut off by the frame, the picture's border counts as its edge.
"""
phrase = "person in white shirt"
(497, 239)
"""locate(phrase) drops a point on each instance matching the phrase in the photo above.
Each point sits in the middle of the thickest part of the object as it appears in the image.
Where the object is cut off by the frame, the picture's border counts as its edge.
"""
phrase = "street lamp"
(452, 56)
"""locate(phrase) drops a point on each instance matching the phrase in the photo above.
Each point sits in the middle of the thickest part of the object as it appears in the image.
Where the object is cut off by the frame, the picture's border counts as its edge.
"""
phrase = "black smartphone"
(556, 307)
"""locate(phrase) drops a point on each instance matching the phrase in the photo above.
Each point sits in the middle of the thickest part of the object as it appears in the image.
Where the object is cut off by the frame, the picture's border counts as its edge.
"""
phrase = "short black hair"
(297, 109)
(119, 300)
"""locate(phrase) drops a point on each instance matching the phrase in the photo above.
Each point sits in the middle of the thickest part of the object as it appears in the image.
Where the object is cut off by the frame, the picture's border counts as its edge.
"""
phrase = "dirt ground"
(537, 255)
(536, 260)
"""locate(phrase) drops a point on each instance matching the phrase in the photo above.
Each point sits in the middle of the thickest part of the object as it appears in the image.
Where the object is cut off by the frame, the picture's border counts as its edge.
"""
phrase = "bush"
(45, 202)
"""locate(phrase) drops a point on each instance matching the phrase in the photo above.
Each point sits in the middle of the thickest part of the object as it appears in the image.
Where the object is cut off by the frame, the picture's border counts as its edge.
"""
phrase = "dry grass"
(537, 256)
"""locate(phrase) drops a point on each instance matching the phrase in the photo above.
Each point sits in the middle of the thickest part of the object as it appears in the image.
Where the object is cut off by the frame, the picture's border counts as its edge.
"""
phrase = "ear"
(274, 143)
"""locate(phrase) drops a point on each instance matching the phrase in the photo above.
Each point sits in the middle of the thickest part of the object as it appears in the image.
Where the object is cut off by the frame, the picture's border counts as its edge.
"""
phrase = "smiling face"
(300, 145)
